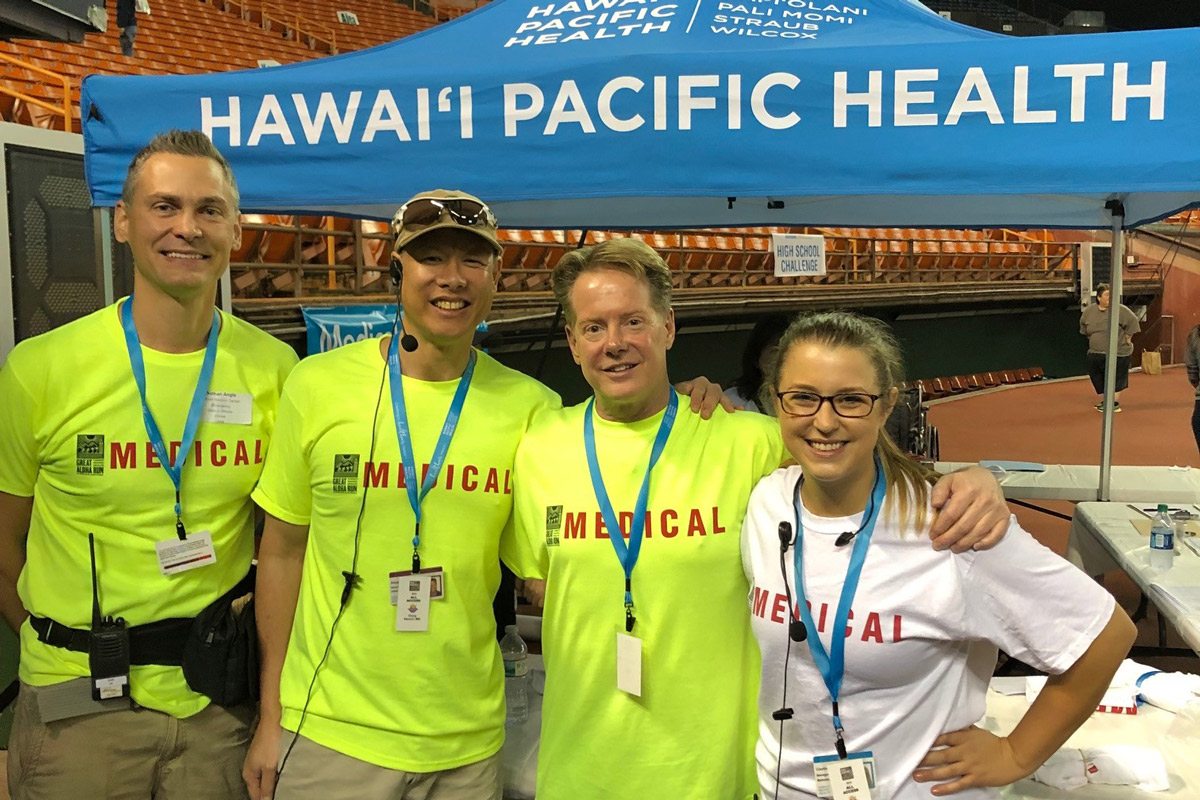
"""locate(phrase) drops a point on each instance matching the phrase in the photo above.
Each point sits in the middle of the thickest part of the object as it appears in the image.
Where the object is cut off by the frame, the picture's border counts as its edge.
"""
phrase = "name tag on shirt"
(232, 408)
(412, 608)
(849, 778)
(175, 555)
(629, 664)
(437, 583)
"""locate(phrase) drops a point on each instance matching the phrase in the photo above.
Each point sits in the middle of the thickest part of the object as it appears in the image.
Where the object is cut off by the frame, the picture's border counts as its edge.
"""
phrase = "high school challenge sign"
(798, 254)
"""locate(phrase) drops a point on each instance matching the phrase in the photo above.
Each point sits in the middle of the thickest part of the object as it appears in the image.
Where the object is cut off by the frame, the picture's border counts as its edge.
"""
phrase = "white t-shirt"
(921, 637)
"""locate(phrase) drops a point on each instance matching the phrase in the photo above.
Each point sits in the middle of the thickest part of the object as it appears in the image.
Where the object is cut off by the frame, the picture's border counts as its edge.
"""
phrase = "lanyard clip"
(416, 563)
(629, 618)
(180, 531)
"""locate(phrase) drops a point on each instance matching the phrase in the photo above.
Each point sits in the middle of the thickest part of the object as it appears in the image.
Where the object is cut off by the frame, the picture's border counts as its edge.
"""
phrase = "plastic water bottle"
(516, 682)
(1162, 540)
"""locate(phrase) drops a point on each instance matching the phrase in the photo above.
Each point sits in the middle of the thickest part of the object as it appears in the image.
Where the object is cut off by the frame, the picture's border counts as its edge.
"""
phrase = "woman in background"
(758, 353)
(893, 701)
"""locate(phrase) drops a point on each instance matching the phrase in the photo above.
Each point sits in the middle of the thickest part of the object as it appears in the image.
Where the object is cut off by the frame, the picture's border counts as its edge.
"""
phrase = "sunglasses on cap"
(425, 211)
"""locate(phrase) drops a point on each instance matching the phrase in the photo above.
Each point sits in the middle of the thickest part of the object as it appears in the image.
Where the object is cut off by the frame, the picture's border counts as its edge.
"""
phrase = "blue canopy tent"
(666, 113)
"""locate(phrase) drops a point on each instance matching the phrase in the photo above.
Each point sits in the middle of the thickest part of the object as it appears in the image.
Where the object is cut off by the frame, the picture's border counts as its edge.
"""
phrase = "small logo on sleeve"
(345, 473)
(554, 517)
(89, 454)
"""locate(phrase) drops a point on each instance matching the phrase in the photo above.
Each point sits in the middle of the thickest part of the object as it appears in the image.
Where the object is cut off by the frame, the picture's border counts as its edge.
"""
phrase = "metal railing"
(267, 14)
(63, 80)
(317, 257)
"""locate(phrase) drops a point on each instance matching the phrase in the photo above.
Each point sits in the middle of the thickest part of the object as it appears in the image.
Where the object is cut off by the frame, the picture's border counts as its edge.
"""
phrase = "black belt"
(158, 642)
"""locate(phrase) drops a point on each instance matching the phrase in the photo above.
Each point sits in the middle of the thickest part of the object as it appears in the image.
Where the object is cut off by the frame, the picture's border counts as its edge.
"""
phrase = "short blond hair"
(631, 256)
(180, 143)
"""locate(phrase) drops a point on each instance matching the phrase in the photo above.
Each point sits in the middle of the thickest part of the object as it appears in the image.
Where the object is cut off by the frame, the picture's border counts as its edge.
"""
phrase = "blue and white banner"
(660, 113)
(329, 327)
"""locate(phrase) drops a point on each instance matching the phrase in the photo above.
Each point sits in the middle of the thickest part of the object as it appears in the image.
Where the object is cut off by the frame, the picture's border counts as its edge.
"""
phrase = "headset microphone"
(407, 341)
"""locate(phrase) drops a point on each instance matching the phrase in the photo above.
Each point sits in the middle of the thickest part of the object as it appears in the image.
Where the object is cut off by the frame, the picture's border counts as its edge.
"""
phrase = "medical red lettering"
(759, 607)
(872, 629)
(717, 527)
(152, 459)
(492, 484)
(216, 453)
(778, 608)
(574, 527)
(470, 476)
(601, 531)
(122, 456)
(375, 475)
(667, 526)
(695, 523)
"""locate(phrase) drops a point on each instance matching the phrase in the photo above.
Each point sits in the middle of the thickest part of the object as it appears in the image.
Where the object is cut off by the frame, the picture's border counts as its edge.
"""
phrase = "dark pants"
(1095, 363)
(1196, 423)
(126, 39)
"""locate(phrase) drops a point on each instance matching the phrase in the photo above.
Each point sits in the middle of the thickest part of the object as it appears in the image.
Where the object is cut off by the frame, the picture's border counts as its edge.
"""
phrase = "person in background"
(759, 351)
(127, 22)
(838, 542)
(1192, 359)
(1094, 325)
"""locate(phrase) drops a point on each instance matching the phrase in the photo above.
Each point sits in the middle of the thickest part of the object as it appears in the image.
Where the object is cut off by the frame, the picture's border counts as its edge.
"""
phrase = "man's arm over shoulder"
(522, 543)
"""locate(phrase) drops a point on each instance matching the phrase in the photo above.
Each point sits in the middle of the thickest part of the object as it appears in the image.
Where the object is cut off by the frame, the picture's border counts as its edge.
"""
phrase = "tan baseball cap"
(444, 208)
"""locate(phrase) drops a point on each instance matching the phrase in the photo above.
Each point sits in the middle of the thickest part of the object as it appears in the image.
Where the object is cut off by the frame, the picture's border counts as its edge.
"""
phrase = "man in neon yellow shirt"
(371, 696)
(144, 424)
(651, 673)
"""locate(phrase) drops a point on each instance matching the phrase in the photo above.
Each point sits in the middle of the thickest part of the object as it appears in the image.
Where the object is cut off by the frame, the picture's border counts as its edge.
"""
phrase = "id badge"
(437, 583)
(629, 664)
(412, 610)
(849, 778)
(176, 555)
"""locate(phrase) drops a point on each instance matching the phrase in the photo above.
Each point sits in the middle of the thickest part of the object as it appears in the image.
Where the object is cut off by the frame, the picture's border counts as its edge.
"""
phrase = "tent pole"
(1117, 209)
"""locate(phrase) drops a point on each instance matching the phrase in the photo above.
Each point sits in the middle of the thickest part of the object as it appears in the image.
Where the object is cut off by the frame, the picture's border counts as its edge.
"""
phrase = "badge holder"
(108, 646)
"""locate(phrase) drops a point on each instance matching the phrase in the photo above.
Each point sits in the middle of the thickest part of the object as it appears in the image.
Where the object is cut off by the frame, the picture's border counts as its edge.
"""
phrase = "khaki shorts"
(316, 772)
(135, 753)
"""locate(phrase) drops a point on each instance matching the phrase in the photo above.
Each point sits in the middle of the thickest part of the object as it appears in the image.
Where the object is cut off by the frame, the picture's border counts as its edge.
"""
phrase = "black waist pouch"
(220, 657)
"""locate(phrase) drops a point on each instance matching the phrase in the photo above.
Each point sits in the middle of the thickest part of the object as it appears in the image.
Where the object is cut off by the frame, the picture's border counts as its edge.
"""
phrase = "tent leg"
(1117, 209)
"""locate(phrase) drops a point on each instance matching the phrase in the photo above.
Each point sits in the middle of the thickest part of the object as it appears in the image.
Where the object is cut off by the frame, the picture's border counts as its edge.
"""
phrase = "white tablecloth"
(1080, 483)
(1103, 539)
(1147, 728)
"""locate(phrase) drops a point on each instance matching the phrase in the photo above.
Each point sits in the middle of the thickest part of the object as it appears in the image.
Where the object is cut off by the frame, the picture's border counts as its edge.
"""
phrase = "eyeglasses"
(852, 405)
(426, 211)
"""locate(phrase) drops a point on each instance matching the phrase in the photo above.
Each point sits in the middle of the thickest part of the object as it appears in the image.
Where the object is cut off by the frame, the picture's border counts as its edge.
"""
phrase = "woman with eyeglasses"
(838, 542)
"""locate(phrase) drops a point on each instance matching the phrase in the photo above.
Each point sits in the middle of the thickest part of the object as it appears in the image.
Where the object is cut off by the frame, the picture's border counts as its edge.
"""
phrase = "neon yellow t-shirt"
(72, 437)
(417, 702)
(691, 734)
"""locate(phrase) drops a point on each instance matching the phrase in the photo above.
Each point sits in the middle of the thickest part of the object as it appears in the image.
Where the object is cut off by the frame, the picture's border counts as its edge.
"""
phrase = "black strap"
(160, 642)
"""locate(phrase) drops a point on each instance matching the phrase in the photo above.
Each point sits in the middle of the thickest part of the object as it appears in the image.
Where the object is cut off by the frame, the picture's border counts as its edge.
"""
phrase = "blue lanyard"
(832, 665)
(174, 467)
(400, 413)
(627, 555)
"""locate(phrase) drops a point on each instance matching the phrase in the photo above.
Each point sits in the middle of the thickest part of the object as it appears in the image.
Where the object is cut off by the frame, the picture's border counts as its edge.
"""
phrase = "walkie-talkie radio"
(108, 646)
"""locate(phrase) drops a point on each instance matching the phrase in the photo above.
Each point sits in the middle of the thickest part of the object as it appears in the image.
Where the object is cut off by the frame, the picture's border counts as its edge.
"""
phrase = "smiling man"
(651, 669)
(392, 470)
(143, 427)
